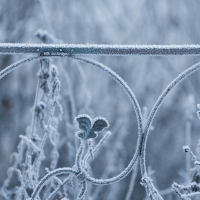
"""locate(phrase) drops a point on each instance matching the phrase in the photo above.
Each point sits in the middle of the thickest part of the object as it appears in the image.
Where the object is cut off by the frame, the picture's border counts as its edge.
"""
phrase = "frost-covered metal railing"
(88, 128)
(95, 49)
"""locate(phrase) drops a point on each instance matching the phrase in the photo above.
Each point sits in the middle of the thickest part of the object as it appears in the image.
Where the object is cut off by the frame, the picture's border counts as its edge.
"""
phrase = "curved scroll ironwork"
(128, 91)
(157, 105)
(142, 132)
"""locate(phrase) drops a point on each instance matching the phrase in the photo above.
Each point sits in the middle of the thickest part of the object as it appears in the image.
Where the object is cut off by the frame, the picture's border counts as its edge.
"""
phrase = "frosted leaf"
(99, 124)
(84, 122)
(89, 128)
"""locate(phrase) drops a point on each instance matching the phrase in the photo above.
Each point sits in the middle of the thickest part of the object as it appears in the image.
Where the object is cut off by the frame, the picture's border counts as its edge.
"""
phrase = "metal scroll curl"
(142, 132)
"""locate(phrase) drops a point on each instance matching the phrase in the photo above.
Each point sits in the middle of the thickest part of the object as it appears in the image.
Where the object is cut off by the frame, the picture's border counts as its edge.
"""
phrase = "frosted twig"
(189, 191)
(150, 188)
(79, 156)
(30, 142)
(135, 169)
(187, 149)
(53, 194)
(132, 181)
(98, 146)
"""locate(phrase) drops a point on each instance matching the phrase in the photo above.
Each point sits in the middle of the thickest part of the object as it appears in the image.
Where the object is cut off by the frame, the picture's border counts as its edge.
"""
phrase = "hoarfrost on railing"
(49, 83)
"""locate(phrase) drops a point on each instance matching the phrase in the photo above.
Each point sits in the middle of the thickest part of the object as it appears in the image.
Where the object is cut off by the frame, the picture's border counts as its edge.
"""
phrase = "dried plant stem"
(53, 194)
(188, 156)
(135, 169)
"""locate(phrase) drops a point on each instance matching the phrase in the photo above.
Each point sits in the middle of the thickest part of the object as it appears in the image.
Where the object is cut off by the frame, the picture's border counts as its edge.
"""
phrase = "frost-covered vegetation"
(74, 128)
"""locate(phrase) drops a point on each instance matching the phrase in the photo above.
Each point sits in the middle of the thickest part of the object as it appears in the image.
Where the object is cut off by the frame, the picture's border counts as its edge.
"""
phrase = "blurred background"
(85, 89)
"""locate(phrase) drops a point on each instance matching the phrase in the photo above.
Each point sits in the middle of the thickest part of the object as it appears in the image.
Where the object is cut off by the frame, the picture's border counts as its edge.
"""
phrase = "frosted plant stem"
(188, 156)
(132, 181)
(83, 191)
(73, 110)
(107, 171)
(72, 104)
(67, 78)
(79, 156)
(35, 104)
(53, 194)
(135, 169)
(39, 156)
(71, 96)
(97, 147)
(33, 118)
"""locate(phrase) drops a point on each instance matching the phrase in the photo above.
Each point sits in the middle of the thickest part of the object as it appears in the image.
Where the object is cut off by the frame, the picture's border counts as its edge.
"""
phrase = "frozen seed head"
(44, 75)
(44, 61)
(39, 110)
(41, 106)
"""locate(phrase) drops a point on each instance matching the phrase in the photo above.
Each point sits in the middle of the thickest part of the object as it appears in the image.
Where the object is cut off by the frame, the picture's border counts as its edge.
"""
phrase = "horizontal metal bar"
(95, 49)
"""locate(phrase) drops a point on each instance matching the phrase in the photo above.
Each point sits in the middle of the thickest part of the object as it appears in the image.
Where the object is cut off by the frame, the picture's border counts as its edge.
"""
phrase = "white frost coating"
(129, 93)
(37, 150)
(13, 66)
(150, 188)
(126, 88)
(157, 105)
(98, 146)
(132, 181)
(56, 172)
(95, 49)
(137, 109)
